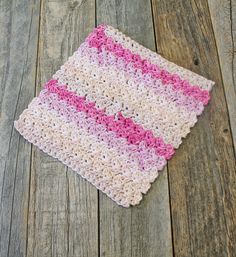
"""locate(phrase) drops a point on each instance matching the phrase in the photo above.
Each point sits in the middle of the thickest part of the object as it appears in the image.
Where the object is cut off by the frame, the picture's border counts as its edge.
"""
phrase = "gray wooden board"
(143, 230)
(63, 207)
(202, 174)
(223, 16)
(18, 52)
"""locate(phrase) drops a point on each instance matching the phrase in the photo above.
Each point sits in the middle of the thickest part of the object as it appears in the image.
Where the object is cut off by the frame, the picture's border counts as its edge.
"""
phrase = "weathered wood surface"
(63, 208)
(144, 230)
(202, 175)
(18, 53)
(223, 16)
(47, 210)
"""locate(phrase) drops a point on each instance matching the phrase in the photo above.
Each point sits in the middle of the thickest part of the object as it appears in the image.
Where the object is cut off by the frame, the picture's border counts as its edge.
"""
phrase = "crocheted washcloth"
(114, 113)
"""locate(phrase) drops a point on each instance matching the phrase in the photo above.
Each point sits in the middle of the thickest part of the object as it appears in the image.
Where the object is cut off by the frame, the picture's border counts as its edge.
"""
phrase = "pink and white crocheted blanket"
(115, 112)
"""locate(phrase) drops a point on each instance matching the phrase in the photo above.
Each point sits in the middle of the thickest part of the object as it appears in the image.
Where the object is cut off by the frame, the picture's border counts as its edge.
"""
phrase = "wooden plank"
(63, 207)
(144, 230)
(223, 16)
(18, 52)
(202, 174)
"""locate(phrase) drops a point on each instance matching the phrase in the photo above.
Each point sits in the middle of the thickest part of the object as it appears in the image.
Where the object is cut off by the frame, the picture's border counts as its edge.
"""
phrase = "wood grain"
(144, 230)
(46, 209)
(63, 206)
(202, 174)
(223, 16)
(18, 53)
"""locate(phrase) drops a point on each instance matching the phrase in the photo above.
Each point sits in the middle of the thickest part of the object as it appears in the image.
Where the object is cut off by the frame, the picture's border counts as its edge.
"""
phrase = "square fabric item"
(115, 112)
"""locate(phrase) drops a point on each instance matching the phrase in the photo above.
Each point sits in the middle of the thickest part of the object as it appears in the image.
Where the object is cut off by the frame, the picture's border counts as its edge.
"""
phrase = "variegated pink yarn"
(114, 113)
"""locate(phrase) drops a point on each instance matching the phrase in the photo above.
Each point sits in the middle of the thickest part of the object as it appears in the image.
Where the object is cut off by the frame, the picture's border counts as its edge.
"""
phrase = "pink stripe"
(99, 40)
(123, 127)
(146, 157)
(105, 59)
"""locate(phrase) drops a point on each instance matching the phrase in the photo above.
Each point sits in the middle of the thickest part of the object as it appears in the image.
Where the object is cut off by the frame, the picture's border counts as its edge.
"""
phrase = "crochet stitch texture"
(114, 113)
